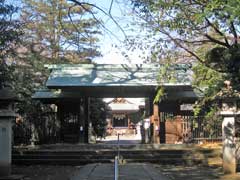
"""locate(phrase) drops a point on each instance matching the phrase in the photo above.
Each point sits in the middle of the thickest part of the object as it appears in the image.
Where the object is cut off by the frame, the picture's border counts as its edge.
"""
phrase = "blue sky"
(112, 41)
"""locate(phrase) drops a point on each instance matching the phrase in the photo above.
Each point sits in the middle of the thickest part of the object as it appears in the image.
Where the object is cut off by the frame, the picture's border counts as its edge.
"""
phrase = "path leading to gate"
(123, 139)
(132, 171)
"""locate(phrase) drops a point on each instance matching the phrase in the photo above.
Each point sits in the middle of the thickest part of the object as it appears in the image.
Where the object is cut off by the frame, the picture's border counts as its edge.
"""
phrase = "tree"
(54, 32)
(10, 31)
(98, 115)
(190, 24)
(206, 30)
(60, 31)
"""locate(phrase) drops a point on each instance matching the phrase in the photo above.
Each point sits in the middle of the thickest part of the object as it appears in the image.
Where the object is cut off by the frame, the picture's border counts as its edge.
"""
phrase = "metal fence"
(197, 128)
(202, 129)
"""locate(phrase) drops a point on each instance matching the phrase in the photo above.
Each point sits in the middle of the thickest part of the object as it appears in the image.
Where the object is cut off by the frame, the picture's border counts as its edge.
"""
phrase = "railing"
(118, 146)
(116, 161)
(116, 171)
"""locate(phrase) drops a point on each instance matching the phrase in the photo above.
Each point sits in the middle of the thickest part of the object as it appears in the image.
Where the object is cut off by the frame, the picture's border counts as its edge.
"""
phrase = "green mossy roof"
(87, 75)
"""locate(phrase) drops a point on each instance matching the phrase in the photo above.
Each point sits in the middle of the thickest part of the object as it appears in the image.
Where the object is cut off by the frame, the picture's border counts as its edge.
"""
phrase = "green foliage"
(98, 114)
(9, 36)
(186, 26)
(160, 95)
(60, 31)
(209, 82)
(10, 28)
(54, 32)
(170, 73)
(188, 16)
(226, 60)
(6, 75)
(207, 79)
(207, 31)
(196, 27)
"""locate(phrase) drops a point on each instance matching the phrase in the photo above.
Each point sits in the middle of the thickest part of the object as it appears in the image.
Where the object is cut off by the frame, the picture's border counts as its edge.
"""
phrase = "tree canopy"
(60, 30)
(204, 33)
(192, 22)
(10, 31)
(51, 32)
(207, 31)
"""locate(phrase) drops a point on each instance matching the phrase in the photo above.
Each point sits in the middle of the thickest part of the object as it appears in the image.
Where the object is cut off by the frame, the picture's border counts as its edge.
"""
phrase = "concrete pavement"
(123, 139)
(132, 171)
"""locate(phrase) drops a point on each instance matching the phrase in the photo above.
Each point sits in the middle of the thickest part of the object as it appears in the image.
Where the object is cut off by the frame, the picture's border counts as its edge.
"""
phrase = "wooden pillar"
(81, 120)
(60, 117)
(154, 113)
(162, 131)
(156, 124)
(150, 103)
(86, 119)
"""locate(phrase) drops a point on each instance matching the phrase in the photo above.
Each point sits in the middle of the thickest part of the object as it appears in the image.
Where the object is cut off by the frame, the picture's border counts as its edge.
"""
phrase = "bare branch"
(218, 31)
(83, 4)
(216, 41)
(233, 29)
(97, 20)
(179, 44)
(75, 27)
(110, 8)
(195, 42)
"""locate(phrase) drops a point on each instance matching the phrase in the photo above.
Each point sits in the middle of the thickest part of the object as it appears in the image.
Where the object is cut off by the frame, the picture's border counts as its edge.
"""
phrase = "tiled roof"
(85, 75)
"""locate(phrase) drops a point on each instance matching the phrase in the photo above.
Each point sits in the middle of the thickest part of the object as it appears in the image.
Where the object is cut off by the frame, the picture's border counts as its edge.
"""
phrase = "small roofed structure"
(121, 121)
(7, 99)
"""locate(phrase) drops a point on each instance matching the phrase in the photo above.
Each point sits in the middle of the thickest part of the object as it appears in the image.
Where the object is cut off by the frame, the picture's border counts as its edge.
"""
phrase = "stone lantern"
(230, 112)
(7, 115)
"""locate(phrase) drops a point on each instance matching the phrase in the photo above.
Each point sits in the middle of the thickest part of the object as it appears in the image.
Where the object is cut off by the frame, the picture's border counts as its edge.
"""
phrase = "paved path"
(132, 171)
(123, 139)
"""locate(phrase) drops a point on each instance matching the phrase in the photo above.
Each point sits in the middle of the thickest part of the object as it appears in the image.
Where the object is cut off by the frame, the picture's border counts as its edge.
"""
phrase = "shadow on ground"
(195, 172)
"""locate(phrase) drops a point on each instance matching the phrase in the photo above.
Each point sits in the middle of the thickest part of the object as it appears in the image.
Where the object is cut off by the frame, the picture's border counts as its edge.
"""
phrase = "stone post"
(229, 113)
(6, 118)
(7, 115)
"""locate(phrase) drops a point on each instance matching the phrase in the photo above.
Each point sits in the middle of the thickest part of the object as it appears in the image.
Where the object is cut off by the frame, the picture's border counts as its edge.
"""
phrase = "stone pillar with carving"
(7, 115)
(229, 112)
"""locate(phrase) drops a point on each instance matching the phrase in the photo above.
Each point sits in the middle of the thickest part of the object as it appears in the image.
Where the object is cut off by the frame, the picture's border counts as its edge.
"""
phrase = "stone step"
(107, 155)
(73, 147)
(89, 161)
(125, 156)
(179, 156)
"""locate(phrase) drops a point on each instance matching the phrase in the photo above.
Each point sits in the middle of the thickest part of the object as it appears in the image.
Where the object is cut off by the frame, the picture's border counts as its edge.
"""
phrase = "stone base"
(229, 146)
(5, 169)
(12, 177)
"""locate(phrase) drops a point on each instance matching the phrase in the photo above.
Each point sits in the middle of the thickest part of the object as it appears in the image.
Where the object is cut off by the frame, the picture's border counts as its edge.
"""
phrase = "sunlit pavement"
(123, 139)
(132, 171)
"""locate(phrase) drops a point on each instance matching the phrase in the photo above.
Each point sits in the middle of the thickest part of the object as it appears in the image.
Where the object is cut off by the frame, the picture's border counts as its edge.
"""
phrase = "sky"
(112, 39)
(111, 42)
